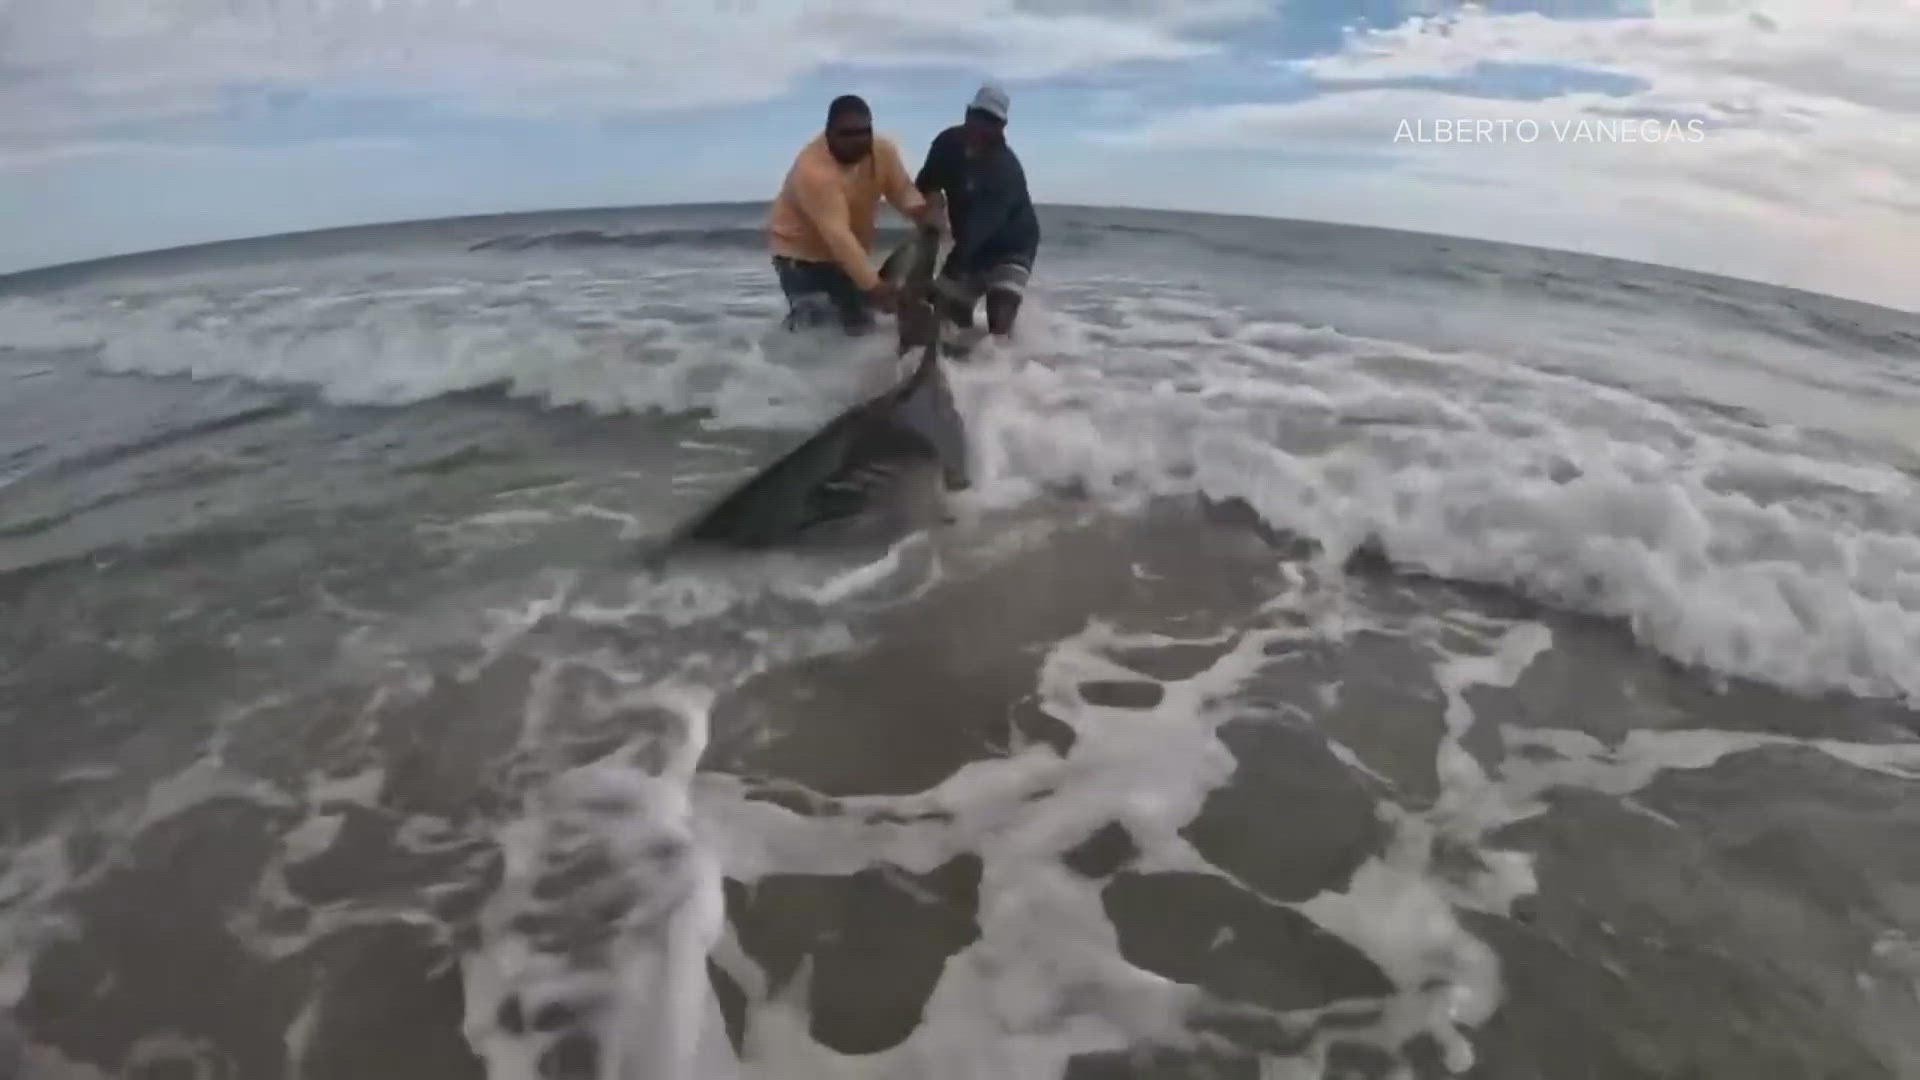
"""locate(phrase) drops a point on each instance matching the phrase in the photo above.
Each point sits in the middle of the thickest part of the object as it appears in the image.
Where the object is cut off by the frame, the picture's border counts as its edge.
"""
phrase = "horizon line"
(23, 276)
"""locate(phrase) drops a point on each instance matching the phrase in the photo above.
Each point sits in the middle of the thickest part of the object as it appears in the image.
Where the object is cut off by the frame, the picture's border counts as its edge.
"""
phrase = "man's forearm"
(847, 252)
(853, 259)
(932, 212)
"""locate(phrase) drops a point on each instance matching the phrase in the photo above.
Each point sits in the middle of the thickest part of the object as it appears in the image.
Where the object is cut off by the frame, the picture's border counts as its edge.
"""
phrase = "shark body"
(877, 468)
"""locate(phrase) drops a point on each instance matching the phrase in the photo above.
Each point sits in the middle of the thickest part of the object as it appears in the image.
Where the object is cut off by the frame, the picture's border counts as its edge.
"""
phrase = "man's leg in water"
(955, 294)
(1005, 284)
(821, 293)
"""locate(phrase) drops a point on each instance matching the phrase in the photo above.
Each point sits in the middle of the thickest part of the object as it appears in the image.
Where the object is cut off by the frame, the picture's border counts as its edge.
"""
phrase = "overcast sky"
(1770, 140)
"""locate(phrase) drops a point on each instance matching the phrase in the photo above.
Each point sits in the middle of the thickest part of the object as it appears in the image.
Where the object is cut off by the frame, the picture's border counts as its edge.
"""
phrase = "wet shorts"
(967, 286)
(821, 293)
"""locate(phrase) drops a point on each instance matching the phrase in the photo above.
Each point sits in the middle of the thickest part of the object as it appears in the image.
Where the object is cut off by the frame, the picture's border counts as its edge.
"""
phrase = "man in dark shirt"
(995, 232)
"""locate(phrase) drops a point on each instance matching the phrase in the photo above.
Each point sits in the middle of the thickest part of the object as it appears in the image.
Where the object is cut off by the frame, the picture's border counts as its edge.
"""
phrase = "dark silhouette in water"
(873, 465)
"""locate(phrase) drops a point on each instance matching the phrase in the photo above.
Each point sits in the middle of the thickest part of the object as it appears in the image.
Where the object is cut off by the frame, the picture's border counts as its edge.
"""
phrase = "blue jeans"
(820, 293)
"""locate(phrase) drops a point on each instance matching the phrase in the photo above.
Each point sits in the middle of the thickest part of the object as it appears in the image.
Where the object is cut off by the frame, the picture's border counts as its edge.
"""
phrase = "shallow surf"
(1340, 667)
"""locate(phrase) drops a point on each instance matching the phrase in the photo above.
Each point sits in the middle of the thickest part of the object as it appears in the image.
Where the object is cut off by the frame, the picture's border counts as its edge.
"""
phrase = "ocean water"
(1361, 655)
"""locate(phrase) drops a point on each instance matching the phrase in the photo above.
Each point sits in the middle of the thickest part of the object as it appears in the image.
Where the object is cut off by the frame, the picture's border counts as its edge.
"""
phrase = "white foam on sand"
(596, 943)
(595, 946)
(1045, 980)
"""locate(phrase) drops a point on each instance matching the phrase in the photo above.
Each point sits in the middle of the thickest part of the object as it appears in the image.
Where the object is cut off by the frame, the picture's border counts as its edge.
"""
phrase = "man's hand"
(933, 213)
(884, 295)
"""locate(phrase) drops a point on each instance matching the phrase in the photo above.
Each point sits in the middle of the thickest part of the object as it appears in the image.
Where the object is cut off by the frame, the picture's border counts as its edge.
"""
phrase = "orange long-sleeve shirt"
(824, 211)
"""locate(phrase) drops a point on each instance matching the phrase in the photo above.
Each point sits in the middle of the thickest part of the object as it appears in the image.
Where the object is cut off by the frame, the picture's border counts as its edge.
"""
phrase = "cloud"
(1807, 174)
(1845, 49)
(83, 67)
(32, 156)
(1781, 141)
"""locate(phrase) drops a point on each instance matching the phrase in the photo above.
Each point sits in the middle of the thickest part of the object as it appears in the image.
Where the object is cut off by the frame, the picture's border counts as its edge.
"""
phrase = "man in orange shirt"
(821, 226)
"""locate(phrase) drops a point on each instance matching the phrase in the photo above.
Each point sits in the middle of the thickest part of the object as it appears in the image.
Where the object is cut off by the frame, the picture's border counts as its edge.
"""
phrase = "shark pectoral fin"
(912, 262)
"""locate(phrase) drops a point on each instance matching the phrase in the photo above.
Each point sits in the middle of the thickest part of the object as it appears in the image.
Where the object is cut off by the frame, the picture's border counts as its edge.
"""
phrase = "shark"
(880, 468)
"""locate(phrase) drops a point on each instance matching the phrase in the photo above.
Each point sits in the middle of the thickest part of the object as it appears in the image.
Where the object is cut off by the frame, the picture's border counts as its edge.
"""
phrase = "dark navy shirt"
(987, 202)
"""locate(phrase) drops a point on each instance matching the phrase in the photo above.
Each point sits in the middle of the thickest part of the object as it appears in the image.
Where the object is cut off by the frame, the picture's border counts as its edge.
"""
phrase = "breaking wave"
(1767, 552)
